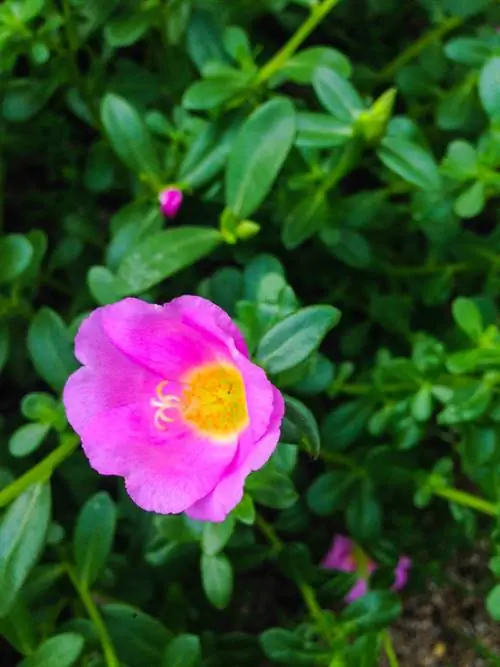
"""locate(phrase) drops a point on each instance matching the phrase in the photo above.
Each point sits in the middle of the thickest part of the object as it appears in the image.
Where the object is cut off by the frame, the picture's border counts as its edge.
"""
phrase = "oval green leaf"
(161, 255)
(258, 154)
(291, 341)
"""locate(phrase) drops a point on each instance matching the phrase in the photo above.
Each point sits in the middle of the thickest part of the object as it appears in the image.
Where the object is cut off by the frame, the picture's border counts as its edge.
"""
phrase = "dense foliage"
(340, 169)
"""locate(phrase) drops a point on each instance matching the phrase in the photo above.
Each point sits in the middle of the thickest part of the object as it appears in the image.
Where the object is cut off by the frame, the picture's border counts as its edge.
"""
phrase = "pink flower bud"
(170, 201)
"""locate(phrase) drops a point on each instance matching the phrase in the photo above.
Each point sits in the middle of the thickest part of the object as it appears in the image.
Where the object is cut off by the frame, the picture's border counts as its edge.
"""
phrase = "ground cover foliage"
(339, 167)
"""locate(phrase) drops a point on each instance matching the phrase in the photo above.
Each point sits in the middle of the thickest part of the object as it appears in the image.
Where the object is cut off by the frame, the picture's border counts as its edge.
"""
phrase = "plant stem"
(317, 14)
(41, 471)
(95, 617)
(416, 48)
(389, 650)
(315, 610)
(269, 533)
(468, 500)
(73, 46)
(306, 591)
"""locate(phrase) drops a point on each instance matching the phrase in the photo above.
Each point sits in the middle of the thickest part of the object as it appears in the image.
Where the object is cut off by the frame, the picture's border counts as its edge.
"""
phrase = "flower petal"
(401, 573)
(165, 471)
(359, 589)
(229, 492)
(150, 336)
(108, 380)
(203, 314)
(339, 556)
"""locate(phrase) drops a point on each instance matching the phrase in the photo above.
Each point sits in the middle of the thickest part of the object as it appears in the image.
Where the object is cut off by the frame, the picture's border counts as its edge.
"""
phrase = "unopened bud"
(170, 201)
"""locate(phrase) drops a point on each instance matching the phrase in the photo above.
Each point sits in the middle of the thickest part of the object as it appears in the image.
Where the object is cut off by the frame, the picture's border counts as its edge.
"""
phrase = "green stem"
(280, 59)
(416, 48)
(468, 500)
(392, 658)
(73, 47)
(315, 611)
(40, 472)
(346, 161)
(308, 595)
(270, 534)
(95, 617)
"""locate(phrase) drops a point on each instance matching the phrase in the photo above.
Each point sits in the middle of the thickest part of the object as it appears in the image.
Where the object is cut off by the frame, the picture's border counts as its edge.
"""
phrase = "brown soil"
(449, 626)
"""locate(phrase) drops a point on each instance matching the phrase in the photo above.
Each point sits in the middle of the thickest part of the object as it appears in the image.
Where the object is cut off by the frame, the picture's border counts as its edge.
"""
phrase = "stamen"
(163, 402)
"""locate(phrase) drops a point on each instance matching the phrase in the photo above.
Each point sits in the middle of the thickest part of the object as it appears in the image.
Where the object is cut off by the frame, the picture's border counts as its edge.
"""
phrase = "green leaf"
(461, 161)
(130, 224)
(291, 341)
(94, 535)
(300, 426)
(364, 513)
(467, 316)
(373, 611)
(318, 130)
(204, 39)
(215, 536)
(411, 162)
(304, 220)
(345, 424)
(43, 408)
(421, 405)
(27, 439)
(329, 491)
(272, 488)
(479, 444)
(104, 286)
(127, 29)
(348, 246)
(465, 8)
(245, 511)
(489, 87)
(50, 348)
(301, 67)
(211, 93)
(130, 137)
(337, 95)
(471, 202)
(59, 651)
(257, 155)
(217, 579)
(493, 603)
(100, 168)
(183, 651)
(468, 51)
(22, 537)
(24, 98)
(16, 253)
(139, 639)
(289, 648)
(161, 255)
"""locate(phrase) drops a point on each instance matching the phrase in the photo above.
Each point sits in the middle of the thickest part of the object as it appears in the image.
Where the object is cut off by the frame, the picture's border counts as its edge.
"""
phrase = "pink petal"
(339, 557)
(109, 379)
(359, 589)
(150, 336)
(203, 315)
(401, 573)
(229, 492)
(165, 471)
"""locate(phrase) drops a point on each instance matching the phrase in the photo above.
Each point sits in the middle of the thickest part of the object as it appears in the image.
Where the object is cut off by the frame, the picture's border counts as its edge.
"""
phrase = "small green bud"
(371, 124)
(247, 229)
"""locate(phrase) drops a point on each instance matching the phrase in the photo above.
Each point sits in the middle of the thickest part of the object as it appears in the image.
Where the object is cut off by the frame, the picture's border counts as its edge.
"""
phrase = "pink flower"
(170, 201)
(346, 556)
(168, 399)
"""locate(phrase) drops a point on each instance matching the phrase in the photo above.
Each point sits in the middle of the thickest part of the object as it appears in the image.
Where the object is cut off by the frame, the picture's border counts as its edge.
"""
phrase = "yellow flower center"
(213, 401)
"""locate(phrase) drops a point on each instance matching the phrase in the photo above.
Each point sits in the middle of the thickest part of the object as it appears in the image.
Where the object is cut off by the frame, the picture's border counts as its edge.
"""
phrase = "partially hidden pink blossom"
(346, 556)
(168, 399)
(170, 201)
